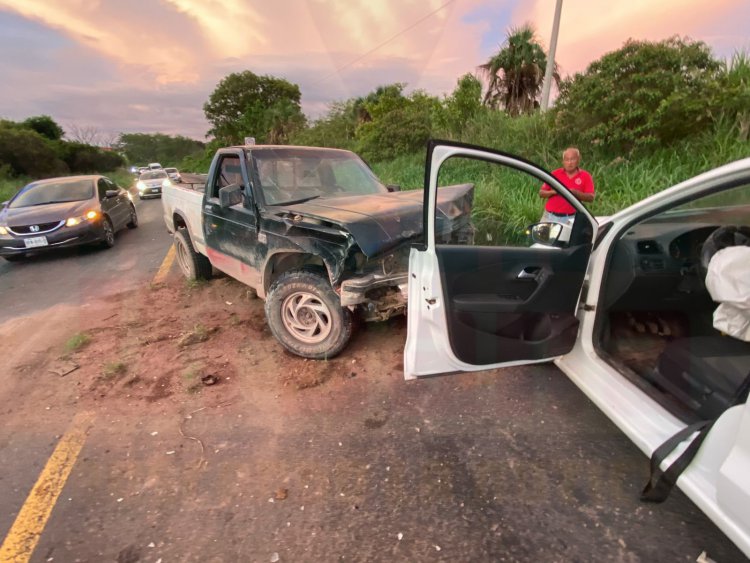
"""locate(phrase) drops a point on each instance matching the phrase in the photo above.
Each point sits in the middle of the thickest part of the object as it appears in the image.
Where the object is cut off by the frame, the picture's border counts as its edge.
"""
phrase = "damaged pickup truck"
(314, 233)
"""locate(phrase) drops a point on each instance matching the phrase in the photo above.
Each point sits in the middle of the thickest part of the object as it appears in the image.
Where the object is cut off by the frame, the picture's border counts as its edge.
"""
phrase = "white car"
(150, 184)
(173, 174)
(622, 308)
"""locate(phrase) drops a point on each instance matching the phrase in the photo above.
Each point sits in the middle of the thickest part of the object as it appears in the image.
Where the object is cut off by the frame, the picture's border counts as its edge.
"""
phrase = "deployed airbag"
(728, 282)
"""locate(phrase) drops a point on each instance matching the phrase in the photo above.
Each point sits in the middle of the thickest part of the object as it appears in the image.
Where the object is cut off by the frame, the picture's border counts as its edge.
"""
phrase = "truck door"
(231, 233)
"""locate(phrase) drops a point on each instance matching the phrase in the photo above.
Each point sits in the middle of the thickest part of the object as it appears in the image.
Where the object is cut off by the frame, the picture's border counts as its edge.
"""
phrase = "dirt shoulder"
(210, 443)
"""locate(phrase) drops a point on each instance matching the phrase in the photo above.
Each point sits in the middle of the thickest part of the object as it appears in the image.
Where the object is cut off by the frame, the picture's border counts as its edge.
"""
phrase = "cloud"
(590, 28)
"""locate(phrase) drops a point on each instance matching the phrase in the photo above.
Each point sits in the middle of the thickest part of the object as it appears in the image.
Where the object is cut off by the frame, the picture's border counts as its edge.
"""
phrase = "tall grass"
(506, 202)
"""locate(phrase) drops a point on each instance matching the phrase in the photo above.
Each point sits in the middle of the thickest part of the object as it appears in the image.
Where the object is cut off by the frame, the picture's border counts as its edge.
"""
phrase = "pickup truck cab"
(314, 233)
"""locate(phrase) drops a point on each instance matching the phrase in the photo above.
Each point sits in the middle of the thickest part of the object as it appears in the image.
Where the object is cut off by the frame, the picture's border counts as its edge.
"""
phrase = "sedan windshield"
(294, 175)
(58, 191)
(155, 175)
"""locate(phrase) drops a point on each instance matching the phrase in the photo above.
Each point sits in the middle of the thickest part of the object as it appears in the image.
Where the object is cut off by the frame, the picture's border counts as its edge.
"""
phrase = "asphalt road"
(78, 275)
(512, 465)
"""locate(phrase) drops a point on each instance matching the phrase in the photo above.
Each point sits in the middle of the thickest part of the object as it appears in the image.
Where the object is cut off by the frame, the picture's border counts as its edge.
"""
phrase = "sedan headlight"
(3, 230)
(89, 216)
(140, 185)
(166, 183)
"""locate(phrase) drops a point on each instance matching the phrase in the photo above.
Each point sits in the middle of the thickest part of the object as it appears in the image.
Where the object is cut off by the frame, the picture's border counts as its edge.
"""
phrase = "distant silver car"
(150, 183)
(173, 174)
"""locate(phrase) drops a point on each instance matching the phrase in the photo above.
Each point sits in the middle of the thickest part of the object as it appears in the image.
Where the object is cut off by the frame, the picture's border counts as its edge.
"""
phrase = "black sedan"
(62, 212)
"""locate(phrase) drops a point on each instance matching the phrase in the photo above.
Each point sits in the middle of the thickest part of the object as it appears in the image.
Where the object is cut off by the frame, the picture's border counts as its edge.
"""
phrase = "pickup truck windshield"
(290, 175)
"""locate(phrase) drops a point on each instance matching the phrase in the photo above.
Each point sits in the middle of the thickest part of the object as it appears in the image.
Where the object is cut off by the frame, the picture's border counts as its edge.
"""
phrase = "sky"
(150, 65)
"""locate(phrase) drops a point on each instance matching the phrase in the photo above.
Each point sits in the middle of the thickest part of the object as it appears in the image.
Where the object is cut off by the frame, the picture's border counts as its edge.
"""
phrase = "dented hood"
(379, 222)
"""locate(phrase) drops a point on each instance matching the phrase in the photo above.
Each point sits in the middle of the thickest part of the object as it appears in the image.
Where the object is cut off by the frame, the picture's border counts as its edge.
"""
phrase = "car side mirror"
(230, 195)
(111, 193)
(393, 188)
(545, 233)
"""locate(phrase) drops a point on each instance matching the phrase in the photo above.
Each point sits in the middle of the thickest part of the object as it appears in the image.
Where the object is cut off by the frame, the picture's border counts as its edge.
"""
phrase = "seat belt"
(661, 483)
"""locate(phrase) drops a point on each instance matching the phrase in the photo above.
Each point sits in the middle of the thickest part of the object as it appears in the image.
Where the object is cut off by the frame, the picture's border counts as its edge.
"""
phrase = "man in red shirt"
(578, 181)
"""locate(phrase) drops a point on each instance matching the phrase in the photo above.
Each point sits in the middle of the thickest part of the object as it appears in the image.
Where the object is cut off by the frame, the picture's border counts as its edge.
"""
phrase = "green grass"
(506, 201)
(113, 369)
(77, 342)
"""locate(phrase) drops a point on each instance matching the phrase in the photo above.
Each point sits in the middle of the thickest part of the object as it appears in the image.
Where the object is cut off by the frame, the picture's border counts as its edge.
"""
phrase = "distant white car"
(173, 174)
(622, 307)
(154, 166)
(151, 183)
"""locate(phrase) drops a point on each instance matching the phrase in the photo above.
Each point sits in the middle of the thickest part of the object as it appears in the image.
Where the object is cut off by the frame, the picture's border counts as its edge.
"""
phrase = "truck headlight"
(140, 185)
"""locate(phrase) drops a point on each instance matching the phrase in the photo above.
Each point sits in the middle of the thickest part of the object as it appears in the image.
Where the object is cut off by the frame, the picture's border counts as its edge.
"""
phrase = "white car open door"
(495, 299)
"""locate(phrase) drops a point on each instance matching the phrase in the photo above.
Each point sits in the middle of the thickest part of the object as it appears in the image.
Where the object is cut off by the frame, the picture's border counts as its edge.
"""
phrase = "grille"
(41, 228)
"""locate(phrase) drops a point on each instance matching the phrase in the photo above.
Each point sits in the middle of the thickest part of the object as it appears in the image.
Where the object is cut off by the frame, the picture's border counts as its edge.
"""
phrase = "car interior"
(655, 321)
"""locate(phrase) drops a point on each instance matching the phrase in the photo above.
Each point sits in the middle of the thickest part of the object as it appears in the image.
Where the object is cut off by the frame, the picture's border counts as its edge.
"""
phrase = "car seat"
(705, 372)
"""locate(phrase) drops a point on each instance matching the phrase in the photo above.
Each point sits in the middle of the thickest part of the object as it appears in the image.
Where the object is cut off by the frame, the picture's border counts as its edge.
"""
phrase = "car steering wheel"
(721, 238)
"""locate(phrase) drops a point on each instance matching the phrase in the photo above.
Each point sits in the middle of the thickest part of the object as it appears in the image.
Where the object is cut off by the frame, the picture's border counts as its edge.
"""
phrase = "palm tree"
(515, 73)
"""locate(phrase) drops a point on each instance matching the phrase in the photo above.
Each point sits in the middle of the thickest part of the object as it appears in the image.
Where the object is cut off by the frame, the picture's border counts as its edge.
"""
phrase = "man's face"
(570, 161)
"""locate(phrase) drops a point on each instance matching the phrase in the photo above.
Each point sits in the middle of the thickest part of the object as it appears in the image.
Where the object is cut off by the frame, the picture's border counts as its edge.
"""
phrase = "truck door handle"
(529, 273)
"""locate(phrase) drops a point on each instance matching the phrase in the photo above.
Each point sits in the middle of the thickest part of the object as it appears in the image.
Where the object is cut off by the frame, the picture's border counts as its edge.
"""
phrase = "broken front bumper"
(381, 296)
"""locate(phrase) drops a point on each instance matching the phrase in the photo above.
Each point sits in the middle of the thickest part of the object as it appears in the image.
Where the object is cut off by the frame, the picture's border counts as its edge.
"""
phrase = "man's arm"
(583, 196)
(545, 192)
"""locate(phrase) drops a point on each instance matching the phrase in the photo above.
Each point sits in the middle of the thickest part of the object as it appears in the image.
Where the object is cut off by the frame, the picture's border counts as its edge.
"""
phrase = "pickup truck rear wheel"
(194, 266)
(306, 317)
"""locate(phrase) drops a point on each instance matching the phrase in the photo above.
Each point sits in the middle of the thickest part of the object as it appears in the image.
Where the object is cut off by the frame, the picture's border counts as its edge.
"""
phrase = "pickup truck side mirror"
(393, 188)
(230, 195)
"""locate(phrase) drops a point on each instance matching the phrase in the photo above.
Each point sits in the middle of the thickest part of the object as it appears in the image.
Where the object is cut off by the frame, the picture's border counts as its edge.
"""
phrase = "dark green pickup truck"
(314, 233)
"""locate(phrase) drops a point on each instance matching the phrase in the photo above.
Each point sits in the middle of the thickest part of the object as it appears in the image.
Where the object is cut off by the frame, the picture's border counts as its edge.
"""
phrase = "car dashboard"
(656, 263)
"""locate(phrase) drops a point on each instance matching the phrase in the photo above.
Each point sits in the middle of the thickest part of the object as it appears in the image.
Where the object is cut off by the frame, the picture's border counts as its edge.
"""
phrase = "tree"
(141, 148)
(461, 106)
(642, 96)
(396, 124)
(27, 153)
(241, 103)
(45, 126)
(516, 72)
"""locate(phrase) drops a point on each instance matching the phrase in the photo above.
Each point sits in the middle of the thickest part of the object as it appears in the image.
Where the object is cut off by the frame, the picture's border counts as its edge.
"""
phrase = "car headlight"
(89, 216)
(140, 185)
(166, 183)
(3, 230)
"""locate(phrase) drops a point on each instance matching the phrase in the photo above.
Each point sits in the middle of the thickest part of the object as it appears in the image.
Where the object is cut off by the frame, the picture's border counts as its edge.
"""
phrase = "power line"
(383, 44)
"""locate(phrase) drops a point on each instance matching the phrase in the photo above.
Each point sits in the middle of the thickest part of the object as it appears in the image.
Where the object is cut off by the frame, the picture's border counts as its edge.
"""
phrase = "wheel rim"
(133, 217)
(182, 258)
(306, 317)
(109, 234)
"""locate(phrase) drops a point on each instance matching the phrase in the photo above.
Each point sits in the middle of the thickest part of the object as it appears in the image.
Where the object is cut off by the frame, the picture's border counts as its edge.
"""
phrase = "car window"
(229, 172)
(153, 175)
(504, 203)
(292, 174)
(58, 191)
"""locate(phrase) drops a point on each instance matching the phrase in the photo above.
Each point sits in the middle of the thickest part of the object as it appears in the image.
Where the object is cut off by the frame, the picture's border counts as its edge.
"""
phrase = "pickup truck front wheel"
(306, 317)
(194, 266)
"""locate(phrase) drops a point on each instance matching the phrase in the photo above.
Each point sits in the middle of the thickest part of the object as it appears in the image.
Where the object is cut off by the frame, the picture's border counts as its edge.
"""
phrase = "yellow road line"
(23, 536)
(161, 275)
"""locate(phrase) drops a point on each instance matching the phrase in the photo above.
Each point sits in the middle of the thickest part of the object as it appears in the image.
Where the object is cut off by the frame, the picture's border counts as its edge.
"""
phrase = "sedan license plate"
(34, 242)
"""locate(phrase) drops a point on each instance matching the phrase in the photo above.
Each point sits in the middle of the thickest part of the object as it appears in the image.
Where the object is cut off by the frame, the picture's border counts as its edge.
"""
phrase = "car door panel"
(524, 298)
(475, 307)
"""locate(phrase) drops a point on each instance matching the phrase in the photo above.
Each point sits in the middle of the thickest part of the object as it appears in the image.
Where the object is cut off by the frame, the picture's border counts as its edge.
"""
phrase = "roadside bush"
(27, 153)
(82, 158)
(640, 97)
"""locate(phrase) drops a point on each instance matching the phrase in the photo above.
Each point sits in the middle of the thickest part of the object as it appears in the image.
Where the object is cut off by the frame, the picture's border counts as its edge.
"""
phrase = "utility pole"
(547, 84)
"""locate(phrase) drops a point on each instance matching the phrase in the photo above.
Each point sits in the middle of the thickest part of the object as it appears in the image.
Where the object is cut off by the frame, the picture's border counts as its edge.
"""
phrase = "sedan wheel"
(133, 218)
(109, 233)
